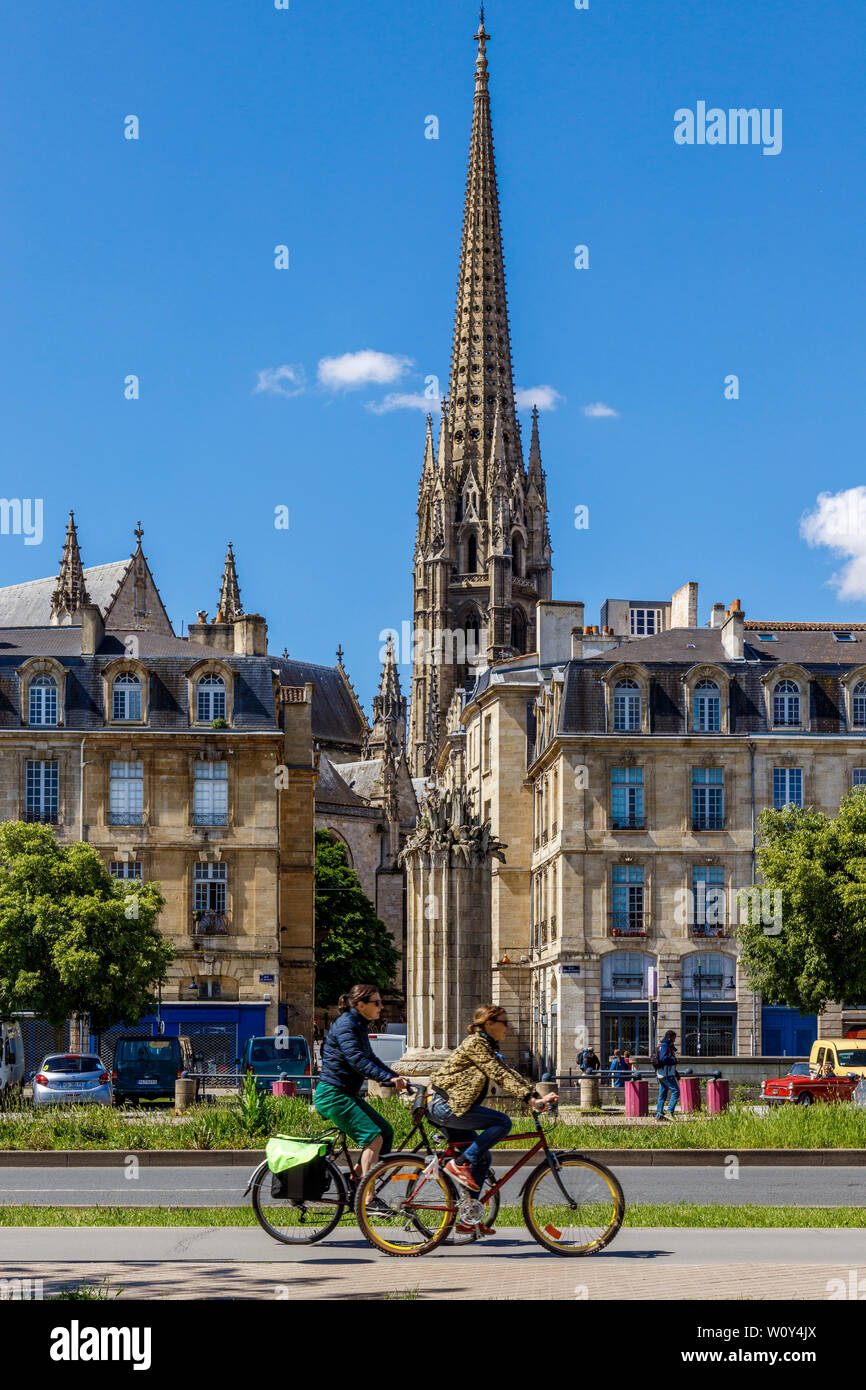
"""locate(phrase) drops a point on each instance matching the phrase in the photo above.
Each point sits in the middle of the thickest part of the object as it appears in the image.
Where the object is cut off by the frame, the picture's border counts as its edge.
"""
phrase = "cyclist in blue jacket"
(347, 1060)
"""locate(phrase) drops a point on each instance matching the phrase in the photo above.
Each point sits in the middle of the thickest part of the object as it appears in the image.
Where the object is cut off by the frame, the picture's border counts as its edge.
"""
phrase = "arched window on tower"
(517, 556)
(518, 630)
(472, 554)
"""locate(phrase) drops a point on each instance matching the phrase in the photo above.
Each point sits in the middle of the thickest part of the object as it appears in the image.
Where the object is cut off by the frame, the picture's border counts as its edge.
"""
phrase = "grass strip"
(231, 1126)
(638, 1214)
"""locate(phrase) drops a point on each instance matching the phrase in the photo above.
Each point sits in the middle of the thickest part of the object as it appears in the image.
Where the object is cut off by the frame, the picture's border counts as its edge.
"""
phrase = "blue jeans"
(492, 1124)
(667, 1085)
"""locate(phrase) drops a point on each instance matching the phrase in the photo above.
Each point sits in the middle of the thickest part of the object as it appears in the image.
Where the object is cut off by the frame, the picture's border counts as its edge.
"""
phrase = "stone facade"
(593, 763)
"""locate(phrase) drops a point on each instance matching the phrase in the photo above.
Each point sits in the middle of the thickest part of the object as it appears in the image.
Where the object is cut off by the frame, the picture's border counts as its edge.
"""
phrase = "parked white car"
(67, 1078)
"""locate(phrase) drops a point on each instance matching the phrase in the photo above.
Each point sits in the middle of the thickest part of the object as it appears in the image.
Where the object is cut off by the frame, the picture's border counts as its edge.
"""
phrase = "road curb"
(616, 1158)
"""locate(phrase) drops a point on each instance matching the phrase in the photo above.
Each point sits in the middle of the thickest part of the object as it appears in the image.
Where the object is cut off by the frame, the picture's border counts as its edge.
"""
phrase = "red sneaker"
(463, 1173)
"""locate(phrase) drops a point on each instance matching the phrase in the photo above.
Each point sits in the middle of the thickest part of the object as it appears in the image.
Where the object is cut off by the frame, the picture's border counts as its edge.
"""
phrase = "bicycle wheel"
(579, 1220)
(420, 1200)
(299, 1223)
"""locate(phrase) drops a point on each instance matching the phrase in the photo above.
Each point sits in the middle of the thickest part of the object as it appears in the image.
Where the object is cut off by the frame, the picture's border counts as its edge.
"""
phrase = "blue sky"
(306, 127)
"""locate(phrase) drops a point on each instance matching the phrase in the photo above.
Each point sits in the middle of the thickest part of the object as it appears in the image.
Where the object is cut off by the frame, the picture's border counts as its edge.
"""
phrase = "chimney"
(251, 635)
(717, 615)
(92, 629)
(684, 606)
(733, 629)
(555, 622)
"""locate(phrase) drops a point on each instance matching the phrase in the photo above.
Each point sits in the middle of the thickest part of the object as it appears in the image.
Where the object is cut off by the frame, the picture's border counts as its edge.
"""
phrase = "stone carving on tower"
(482, 553)
(448, 887)
(70, 592)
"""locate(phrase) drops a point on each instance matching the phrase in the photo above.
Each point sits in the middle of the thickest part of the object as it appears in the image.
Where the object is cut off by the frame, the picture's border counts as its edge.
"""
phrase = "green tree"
(73, 940)
(352, 943)
(819, 864)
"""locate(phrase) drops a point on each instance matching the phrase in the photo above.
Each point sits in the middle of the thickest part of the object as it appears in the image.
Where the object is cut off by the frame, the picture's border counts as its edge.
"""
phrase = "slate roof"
(331, 789)
(169, 659)
(335, 716)
(29, 605)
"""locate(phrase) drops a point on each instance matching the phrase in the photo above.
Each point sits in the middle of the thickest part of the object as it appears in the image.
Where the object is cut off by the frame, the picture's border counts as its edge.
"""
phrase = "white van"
(388, 1047)
(11, 1056)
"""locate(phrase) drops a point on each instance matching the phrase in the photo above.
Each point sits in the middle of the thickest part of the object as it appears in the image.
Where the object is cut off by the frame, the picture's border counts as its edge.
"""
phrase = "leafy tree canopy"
(819, 864)
(352, 943)
(73, 940)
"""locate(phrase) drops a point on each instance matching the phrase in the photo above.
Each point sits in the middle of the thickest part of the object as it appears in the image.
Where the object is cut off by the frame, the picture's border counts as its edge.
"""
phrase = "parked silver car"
(67, 1077)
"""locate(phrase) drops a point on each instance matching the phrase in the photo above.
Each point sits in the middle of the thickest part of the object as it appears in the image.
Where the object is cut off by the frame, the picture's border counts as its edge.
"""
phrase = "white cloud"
(600, 411)
(545, 397)
(363, 368)
(839, 522)
(401, 400)
(281, 381)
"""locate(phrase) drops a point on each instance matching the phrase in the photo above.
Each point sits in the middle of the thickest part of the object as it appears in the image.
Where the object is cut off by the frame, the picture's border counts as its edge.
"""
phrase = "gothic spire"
(535, 470)
(229, 606)
(389, 710)
(481, 373)
(70, 592)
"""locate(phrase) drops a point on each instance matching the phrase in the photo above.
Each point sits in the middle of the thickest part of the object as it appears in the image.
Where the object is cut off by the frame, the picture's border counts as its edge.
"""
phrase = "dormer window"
(211, 699)
(786, 703)
(42, 703)
(126, 697)
(626, 706)
(706, 708)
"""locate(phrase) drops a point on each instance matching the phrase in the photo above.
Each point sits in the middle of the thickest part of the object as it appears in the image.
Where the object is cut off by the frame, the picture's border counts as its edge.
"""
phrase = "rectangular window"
(123, 869)
(211, 794)
(126, 793)
(708, 798)
(488, 743)
(708, 901)
(859, 777)
(627, 886)
(645, 622)
(787, 787)
(626, 798)
(42, 792)
(210, 899)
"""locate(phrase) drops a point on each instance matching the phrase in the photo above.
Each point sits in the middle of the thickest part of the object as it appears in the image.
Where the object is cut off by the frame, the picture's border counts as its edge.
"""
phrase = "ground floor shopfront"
(218, 1032)
(604, 1002)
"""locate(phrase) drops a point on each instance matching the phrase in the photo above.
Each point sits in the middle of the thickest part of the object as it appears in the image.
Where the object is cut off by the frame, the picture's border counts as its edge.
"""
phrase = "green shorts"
(354, 1117)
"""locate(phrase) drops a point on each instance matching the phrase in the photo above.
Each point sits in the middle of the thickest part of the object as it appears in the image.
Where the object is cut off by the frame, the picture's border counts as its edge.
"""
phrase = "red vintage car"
(805, 1090)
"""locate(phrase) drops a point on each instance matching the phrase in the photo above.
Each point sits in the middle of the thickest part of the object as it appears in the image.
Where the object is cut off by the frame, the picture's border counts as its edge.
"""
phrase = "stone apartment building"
(188, 760)
(625, 773)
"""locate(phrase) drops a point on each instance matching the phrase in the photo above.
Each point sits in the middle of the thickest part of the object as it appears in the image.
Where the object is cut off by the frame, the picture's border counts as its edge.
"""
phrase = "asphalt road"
(212, 1186)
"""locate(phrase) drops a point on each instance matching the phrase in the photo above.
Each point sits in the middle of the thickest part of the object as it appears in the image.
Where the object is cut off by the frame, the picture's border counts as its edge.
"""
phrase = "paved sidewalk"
(192, 1263)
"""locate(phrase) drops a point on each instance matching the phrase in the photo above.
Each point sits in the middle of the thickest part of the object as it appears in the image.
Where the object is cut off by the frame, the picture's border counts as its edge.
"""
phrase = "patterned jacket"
(469, 1070)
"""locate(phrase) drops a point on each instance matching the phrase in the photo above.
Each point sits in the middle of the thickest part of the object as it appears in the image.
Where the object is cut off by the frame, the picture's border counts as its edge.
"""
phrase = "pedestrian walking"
(588, 1061)
(664, 1059)
(618, 1068)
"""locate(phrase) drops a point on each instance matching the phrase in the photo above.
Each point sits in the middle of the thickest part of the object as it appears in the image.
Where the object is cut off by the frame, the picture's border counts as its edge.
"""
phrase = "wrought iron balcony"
(210, 924)
(126, 818)
(708, 822)
(709, 929)
(628, 922)
(42, 815)
(210, 818)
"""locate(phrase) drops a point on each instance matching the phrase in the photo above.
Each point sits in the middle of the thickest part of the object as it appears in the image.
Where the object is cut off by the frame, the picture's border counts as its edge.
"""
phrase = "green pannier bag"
(300, 1172)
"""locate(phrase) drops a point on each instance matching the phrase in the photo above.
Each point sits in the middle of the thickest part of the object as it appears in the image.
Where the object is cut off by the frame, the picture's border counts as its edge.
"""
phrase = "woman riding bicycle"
(347, 1059)
(461, 1085)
